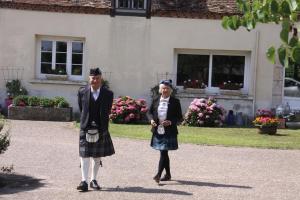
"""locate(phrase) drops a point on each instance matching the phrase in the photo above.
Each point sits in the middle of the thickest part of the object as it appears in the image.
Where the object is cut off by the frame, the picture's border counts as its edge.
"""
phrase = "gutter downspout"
(255, 71)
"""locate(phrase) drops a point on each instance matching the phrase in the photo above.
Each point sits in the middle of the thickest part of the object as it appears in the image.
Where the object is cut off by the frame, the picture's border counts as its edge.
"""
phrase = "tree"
(4, 136)
(283, 12)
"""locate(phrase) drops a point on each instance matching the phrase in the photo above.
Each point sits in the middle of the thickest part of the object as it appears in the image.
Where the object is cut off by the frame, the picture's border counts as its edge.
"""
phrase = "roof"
(210, 9)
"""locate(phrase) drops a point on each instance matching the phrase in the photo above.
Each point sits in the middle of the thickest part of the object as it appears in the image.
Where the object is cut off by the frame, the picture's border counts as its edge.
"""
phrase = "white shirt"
(163, 108)
(95, 93)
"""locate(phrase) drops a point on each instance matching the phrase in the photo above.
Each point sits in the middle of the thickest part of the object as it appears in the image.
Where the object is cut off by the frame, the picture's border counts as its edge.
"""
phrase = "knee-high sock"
(167, 165)
(95, 167)
(162, 161)
(85, 164)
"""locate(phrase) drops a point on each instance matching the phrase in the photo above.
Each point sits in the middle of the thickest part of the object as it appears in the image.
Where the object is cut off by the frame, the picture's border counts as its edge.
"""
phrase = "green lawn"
(245, 137)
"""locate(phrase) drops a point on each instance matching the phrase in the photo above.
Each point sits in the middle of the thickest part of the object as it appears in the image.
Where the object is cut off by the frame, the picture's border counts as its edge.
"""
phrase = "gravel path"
(46, 166)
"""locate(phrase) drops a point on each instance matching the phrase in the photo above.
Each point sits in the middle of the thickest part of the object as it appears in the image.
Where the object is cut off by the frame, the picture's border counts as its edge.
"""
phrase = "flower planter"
(57, 77)
(39, 113)
(271, 130)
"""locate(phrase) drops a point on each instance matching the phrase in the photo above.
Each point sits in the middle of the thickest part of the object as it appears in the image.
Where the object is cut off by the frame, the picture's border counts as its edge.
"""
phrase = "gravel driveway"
(46, 166)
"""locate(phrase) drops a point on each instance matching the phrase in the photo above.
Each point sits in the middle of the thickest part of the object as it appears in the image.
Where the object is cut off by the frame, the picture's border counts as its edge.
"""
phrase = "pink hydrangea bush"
(128, 110)
(204, 112)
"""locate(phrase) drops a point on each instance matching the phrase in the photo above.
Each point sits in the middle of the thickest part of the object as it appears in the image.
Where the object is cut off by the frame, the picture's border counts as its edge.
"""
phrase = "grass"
(240, 137)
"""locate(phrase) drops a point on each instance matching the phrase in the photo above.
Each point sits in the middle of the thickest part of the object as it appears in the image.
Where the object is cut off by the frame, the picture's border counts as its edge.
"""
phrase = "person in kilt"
(164, 115)
(95, 102)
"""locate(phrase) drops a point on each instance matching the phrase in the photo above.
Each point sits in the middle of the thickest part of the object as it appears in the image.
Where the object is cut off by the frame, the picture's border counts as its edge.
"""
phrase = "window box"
(57, 77)
(39, 113)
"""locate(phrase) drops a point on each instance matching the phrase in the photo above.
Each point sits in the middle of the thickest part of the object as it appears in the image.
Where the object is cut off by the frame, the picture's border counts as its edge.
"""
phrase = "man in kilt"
(95, 103)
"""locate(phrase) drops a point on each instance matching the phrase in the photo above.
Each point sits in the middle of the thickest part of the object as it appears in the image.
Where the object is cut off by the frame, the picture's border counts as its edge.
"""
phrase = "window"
(132, 7)
(60, 57)
(210, 70)
(132, 4)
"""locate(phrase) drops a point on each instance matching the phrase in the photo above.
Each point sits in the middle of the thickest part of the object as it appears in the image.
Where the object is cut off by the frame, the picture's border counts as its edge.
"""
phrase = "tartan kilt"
(164, 142)
(103, 147)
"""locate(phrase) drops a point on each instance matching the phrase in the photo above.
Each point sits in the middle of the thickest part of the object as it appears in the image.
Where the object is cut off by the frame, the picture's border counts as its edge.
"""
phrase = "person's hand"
(153, 123)
(166, 123)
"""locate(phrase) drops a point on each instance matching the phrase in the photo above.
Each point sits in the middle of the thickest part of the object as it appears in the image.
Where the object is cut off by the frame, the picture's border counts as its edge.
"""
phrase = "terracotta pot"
(271, 130)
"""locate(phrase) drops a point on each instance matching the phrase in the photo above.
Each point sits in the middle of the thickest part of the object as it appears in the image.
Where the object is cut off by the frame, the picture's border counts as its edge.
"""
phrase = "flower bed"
(40, 108)
(128, 110)
(204, 112)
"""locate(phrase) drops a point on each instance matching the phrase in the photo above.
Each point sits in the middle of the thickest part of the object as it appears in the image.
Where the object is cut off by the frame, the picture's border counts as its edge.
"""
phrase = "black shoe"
(166, 178)
(94, 185)
(83, 186)
(156, 178)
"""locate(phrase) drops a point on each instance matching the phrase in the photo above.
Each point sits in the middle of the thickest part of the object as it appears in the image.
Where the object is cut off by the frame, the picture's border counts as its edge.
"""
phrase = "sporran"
(92, 135)
(160, 129)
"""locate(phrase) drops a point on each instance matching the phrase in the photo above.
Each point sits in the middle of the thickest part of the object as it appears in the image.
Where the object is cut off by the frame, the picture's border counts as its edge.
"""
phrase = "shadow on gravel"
(145, 190)
(195, 183)
(14, 183)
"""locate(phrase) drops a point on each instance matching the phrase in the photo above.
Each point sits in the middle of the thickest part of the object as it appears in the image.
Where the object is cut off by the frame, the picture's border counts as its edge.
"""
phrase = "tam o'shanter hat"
(167, 82)
(95, 71)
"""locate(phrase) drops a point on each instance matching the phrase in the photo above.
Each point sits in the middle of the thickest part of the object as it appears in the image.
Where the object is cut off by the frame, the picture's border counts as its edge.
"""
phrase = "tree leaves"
(285, 8)
(271, 54)
(296, 54)
(285, 12)
(281, 54)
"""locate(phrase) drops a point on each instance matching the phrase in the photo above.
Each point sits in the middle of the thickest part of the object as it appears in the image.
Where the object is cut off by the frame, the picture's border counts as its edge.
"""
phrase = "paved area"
(46, 166)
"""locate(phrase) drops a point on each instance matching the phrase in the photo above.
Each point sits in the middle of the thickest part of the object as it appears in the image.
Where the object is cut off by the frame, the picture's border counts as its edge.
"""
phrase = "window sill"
(224, 94)
(57, 82)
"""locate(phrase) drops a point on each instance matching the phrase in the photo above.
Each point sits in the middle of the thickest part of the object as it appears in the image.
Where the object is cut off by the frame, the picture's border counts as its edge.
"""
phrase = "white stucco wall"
(134, 49)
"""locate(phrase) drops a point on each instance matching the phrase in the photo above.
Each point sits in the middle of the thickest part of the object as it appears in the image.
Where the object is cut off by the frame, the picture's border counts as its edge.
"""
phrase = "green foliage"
(33, 101)
(4, 137)
(21, 100)
(285, 12)
(46, 102)
(60, 102)
(14, 88)
(105, 83)
(24, 100)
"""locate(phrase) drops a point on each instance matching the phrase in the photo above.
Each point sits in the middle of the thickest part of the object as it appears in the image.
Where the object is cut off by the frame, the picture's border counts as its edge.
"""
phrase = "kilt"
(103, 147)
(164, 142)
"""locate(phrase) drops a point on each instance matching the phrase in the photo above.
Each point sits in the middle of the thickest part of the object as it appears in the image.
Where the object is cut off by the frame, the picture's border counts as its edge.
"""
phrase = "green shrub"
(46, 102)
(60, 102)
(33, 101)
(14, 88)
(4, 137)
(21, 100)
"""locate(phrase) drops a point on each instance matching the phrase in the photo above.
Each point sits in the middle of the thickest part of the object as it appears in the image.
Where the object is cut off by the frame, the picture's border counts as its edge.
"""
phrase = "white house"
(136, 43)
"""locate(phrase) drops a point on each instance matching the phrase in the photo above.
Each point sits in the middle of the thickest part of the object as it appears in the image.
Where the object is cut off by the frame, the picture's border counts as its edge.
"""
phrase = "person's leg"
(167, 165)
(167, 177)
(161, 165)
(84, 164)
(95, 169)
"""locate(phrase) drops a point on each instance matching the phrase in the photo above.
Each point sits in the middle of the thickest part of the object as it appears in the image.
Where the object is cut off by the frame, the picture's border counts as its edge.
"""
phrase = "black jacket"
(174, 114)
(106, 99)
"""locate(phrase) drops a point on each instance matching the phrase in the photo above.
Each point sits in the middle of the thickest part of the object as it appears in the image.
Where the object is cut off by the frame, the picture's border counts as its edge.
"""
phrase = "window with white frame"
(132, 7)
(226, 71)
(60, 57)
(132, 4)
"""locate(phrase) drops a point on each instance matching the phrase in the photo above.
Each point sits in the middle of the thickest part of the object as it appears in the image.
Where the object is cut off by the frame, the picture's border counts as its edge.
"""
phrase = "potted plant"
(13, 89)
(266, 122)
